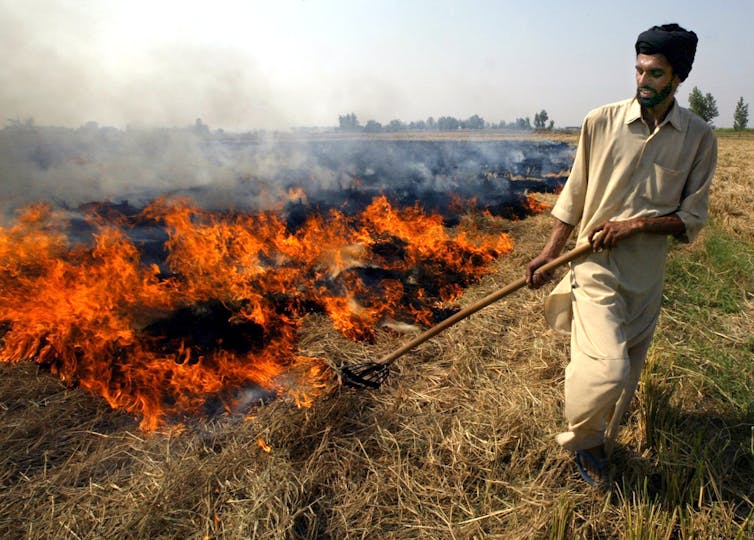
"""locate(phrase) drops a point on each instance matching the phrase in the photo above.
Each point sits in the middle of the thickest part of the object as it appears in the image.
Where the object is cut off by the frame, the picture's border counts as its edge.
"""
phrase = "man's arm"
(615, 231)
(695, 202)
(557, 241)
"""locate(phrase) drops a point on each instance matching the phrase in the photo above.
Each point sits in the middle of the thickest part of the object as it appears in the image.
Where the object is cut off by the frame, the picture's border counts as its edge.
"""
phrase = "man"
(642, 172)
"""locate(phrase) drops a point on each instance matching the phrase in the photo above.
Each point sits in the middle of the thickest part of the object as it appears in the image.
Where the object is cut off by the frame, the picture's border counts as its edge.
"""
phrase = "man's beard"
(658, 98)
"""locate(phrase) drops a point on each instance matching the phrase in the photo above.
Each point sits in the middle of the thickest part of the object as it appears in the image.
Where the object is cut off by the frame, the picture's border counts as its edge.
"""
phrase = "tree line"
(350, 122)
(705, 105)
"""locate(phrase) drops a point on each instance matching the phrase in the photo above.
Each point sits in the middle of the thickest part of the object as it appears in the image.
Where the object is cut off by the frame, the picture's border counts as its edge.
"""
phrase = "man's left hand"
(612, 232)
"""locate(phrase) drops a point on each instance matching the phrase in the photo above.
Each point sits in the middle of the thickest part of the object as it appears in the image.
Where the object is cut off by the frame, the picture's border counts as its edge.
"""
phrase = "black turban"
(676, 43)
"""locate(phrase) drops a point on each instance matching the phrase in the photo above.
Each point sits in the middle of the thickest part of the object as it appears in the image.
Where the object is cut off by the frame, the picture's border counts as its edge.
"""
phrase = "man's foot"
(593, 466)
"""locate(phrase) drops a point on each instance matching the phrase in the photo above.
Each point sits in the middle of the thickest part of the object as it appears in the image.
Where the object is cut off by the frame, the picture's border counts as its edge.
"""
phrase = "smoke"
(70, 167)
(69, 63)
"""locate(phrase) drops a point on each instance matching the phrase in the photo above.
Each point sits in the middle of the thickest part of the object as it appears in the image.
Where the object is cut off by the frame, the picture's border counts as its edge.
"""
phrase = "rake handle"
(484, 302)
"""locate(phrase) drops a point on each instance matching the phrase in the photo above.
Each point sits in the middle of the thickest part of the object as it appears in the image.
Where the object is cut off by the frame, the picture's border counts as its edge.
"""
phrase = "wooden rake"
(373, 374)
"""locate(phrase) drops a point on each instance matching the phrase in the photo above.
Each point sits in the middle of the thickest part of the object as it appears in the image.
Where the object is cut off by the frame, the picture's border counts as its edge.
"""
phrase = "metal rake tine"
(365, 375)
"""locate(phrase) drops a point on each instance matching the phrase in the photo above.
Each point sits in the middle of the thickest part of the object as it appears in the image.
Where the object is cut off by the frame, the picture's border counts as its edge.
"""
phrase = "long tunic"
(622, 171)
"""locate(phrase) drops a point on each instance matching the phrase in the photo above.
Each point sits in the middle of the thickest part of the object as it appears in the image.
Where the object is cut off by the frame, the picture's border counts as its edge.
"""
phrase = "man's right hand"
(534, 279)
(555, 244)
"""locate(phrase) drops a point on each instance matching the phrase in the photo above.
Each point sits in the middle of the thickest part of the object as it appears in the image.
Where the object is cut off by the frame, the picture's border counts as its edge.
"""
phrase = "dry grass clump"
(457, 444)
(732, 196)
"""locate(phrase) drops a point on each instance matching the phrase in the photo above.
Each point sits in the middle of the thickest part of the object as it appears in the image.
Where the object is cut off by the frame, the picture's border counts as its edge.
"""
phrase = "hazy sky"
(249, 64)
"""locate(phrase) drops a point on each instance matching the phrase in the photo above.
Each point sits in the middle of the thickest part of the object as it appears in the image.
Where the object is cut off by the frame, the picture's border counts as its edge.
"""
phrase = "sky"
(278, 64)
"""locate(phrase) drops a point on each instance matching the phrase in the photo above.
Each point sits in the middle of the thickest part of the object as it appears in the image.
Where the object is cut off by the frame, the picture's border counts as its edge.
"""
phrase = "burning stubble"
(221, 312)
(176, 309)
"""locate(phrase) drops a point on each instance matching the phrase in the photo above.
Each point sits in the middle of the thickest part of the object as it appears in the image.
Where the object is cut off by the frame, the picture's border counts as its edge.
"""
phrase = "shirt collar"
(634, 111)
(673, 118)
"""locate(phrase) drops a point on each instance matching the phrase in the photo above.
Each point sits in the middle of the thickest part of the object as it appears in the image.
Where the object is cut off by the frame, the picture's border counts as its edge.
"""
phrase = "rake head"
(365, 375)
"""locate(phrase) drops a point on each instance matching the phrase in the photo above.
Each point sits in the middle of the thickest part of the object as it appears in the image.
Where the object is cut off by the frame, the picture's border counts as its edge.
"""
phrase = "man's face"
(655, 81)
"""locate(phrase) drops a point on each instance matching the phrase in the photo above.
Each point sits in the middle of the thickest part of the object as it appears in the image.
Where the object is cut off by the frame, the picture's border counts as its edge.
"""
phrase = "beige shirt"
(622, 171)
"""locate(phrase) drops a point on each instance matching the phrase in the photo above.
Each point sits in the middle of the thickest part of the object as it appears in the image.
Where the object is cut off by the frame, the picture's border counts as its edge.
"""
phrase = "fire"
(220, 314)
(263, 445)
(534, 205)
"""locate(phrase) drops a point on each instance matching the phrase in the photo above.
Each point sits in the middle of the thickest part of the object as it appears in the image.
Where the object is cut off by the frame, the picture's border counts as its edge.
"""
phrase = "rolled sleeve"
(695, 199)
(570, 204)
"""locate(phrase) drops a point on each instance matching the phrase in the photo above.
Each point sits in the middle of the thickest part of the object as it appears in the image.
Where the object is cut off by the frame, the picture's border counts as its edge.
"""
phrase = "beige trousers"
(603, 374)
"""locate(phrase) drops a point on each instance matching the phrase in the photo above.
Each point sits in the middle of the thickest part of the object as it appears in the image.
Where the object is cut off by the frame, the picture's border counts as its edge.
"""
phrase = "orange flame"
(90, 313)
(263, 445)
(535, 206)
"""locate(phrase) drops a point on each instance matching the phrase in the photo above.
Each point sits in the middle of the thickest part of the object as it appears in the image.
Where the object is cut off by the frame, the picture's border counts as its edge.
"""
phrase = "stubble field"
(457, 444)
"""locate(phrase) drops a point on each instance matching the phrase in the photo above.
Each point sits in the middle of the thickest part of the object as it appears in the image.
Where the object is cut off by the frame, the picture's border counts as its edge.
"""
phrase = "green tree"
(704, 105)
(696, 101)
(540, 119)
(711, 107)
(741, 115)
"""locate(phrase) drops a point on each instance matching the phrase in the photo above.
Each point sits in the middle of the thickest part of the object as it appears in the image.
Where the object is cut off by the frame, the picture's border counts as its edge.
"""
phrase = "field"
(457, 444)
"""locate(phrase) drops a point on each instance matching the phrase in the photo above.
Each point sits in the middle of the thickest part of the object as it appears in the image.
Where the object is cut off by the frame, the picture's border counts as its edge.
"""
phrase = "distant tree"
(704, 105)
(348, 122)
(474, 122)
(523, 123)
(395, 125)
(711, 107)
(696, 101)
(431, 123)
(540, 119)
(448, 123)
(741, 115)
(372, 126)
(418, 124)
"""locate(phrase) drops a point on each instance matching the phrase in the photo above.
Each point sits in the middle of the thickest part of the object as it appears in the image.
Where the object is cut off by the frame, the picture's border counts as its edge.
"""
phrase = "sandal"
(600, 465)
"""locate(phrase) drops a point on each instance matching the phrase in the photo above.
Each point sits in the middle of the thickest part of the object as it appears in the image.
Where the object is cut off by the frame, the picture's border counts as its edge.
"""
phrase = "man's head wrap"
(676, 43)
